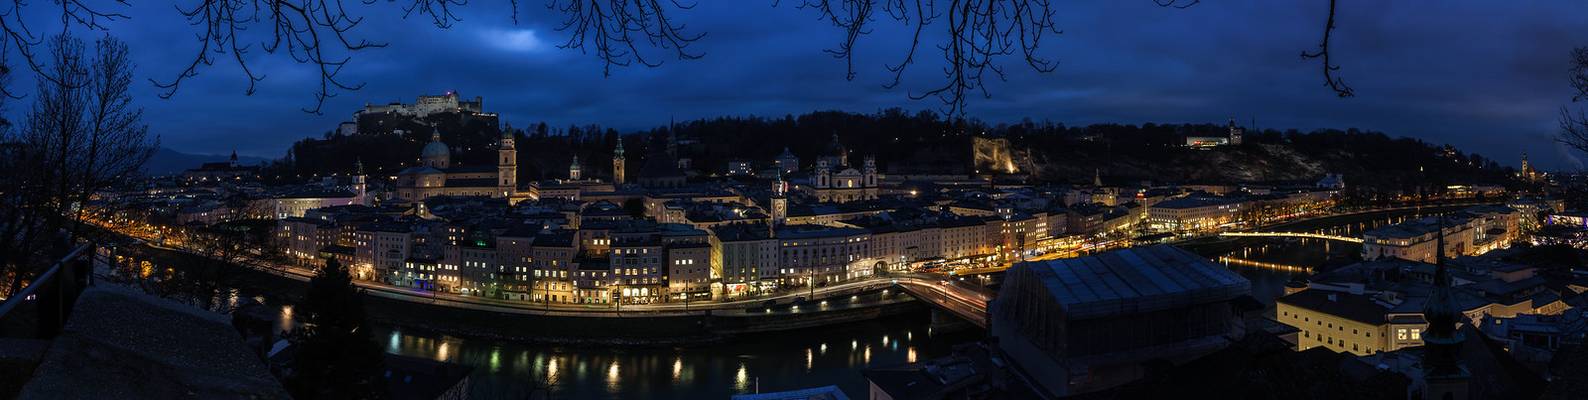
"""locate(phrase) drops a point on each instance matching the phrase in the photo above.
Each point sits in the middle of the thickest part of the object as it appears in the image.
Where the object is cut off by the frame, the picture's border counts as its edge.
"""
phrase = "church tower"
(1528, 174)
(779, 201)
(869, 171)
(824, 174)
(359, 189)
(573, 169)
(1235, 132)
(1443, 372)
(617, 163)
(507, 165)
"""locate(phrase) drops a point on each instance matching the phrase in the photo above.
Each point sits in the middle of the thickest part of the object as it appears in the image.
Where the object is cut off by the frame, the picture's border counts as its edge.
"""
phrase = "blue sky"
(1485, 78)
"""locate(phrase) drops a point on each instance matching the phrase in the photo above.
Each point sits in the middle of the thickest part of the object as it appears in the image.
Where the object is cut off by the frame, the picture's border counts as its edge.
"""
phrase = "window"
(1417, 334)
(1400, 334)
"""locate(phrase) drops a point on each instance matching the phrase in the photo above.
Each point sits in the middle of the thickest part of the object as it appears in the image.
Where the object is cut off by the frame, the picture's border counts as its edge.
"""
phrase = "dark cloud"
(1483, 77)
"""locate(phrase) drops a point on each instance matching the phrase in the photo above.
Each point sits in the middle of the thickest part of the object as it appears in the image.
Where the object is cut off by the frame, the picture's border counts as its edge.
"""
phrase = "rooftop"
(1355, 307)
(1135, 280)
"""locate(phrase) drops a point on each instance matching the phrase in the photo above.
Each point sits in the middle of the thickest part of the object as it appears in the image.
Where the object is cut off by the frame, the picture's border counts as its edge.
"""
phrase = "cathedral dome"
(436, 154)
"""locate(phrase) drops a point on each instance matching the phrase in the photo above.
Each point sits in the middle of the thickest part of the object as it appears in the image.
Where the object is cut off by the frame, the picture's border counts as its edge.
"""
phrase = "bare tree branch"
(306, 30)
(1573, 129)
(1329, 68)
(1574, 126)
(617, 29)
(1176, 3)
(1578, 77)
(977, 33)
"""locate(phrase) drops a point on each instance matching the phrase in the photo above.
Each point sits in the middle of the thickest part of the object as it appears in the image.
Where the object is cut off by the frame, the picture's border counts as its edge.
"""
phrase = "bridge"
(1292, 234)
(963, 300)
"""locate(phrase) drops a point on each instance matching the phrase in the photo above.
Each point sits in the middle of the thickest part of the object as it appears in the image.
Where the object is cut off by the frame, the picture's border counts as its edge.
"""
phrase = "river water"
(833, 355)
(768, 362)
(791, 360)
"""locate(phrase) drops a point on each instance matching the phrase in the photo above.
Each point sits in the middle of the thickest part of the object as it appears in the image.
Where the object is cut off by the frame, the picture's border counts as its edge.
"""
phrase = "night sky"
(1484, 78)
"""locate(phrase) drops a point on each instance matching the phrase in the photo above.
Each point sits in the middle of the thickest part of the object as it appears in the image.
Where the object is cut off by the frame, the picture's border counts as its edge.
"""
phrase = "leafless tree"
(619, 28)
(976, 35)
(1574, 123)
(80, 135)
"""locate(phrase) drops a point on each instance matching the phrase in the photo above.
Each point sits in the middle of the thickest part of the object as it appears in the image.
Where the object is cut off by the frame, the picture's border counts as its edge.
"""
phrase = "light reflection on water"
(770, 362)
(1317, 255)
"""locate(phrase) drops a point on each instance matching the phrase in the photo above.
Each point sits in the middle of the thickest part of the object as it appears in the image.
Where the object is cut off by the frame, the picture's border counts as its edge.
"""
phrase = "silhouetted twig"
(1329, 68)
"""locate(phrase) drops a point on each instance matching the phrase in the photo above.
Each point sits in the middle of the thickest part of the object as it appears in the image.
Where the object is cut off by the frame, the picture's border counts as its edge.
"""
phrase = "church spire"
(1097, 177)
(1442, 367)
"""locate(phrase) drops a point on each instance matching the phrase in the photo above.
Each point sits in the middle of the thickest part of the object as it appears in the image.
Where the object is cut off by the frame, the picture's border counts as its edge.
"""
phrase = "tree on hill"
(336, 357)
(928, 143)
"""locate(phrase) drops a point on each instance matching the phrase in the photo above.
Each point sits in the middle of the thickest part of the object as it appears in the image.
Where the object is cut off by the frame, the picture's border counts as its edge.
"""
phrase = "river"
(768, 362)
(833, 355)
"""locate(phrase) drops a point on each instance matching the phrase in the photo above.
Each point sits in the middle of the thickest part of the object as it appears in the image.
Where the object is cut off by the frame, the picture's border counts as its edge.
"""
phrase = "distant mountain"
(167, 161)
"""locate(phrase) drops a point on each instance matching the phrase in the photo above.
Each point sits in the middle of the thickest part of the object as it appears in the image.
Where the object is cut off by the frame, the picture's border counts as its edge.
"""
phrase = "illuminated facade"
(847, 184)
(436, 176)
(1348, 322)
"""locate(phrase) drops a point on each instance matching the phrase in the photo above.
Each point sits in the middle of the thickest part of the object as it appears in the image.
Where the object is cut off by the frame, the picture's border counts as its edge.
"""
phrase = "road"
(966, 303)
(522, 307)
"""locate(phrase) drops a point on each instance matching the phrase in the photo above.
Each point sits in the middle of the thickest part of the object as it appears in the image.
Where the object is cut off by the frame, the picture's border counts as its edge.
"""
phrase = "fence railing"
(40, 309)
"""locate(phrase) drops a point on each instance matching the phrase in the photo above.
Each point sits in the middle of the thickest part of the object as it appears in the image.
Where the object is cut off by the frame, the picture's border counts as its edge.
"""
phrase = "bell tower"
(823, 174)
(507, 166)
(618, 163)
(359, 188)
(1445, 374)
(869, 170)
(573, 169)
(779, 200)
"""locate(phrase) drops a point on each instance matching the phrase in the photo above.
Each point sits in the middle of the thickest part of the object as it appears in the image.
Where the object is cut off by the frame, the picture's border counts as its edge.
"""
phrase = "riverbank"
(523, 324)
(641, 331)
(1214, 244)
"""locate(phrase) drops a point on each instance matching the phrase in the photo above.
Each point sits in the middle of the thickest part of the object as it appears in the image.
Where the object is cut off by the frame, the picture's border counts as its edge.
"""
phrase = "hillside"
(925, 143)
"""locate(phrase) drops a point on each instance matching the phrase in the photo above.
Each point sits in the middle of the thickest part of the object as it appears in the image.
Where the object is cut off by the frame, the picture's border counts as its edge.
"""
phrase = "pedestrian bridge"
(964, 300)
(1292, 234)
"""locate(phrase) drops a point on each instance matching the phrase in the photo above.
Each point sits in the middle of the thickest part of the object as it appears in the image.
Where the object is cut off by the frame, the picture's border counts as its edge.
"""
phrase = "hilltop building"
(1233, 136)
(1527, 173)
(216, 171)
(427, 105)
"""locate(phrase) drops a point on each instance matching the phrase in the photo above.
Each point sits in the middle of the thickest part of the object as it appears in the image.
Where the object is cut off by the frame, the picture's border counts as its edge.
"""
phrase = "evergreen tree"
(336, 357)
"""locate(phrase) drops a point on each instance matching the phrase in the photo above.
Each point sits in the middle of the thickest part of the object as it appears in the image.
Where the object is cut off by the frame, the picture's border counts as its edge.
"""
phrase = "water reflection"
(741, 380)
(1269, 263)
(718, 370)
(678, 369)
(613, 385)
